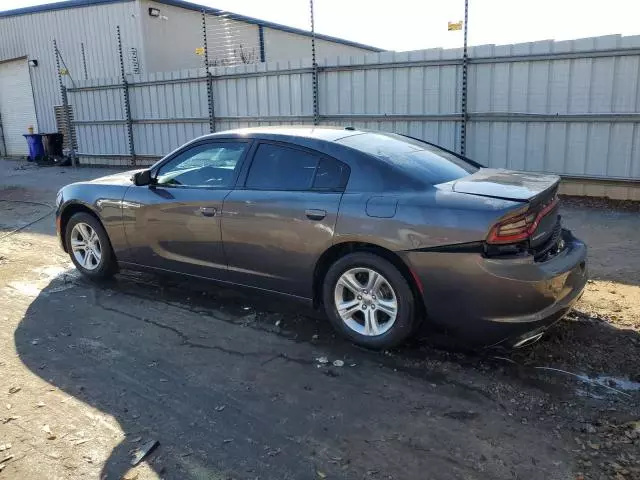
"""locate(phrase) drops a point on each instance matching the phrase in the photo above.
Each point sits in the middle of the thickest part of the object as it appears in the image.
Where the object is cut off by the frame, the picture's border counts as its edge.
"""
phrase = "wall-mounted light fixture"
(33, 63)
(154, 12)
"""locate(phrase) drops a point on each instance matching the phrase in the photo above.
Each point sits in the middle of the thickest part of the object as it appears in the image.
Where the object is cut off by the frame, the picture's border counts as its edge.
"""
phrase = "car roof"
(290, 133)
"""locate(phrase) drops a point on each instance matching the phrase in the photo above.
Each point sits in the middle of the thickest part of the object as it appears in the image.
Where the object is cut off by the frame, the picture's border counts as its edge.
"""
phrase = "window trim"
(251, 155)
(211, 141)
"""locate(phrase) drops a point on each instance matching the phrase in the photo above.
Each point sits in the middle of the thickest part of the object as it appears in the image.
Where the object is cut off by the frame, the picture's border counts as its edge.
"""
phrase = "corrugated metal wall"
(160, 44)
(98, 115)
(166, 115)
(582, 109)
(272, 93)
(571, 108)
(414, 93)
(32, 35)
(280, 45)
(169, 109)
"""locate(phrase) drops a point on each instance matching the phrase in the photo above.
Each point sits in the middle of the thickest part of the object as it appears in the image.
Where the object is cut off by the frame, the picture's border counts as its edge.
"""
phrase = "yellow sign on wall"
(200, 51)
(452, 26)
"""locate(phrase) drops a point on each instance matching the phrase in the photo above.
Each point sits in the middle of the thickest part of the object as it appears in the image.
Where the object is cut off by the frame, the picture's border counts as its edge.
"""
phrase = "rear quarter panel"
(419, 220)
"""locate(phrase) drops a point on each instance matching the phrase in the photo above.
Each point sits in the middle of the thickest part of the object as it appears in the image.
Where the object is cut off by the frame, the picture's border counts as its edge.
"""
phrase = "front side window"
(275, 167)
(206, 165)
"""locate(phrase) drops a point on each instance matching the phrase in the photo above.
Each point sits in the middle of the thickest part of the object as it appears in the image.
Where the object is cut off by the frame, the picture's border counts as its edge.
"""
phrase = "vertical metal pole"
(84, 61)
(65, 105)
(212, 118)
(127, 103)
(316, 110)
(261, 41)
(4, 145)
(465, 66)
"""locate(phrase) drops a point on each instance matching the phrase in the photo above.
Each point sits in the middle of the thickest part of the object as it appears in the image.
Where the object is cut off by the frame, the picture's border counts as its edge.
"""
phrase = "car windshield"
(419, 159)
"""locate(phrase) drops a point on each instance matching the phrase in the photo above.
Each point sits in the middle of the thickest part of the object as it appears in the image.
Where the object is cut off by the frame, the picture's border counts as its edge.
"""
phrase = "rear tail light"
(519, 227)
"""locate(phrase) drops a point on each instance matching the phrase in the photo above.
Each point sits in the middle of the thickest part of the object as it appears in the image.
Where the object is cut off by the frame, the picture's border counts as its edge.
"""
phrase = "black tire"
(107, 265)
(405, 317)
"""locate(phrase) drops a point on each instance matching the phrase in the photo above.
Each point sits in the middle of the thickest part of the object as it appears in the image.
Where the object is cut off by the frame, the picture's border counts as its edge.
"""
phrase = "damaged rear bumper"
(487, 301)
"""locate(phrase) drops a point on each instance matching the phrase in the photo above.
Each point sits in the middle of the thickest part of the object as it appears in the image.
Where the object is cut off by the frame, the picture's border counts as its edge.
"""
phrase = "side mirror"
(142, 178)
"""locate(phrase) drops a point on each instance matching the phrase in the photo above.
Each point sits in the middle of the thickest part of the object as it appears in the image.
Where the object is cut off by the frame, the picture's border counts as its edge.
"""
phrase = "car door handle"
(313, 214)
(208, 211)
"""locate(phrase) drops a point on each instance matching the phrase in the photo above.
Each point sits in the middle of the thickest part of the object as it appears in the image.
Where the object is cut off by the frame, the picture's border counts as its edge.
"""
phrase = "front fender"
(102, 201)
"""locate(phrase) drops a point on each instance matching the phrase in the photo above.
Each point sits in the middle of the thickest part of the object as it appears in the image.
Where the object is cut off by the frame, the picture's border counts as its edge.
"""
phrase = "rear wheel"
(368, 300)
(89, 246)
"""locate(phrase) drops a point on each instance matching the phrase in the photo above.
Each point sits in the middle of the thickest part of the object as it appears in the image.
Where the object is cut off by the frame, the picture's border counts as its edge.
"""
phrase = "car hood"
(123, 178)
(506, 184)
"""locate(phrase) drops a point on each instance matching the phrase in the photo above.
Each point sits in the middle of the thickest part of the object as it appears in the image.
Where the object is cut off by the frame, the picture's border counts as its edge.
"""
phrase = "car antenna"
(350, 128)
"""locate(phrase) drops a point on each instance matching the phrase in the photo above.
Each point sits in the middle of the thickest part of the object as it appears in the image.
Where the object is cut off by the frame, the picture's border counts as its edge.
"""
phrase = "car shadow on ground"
(234, 385)
(109, 355)
(229, 387)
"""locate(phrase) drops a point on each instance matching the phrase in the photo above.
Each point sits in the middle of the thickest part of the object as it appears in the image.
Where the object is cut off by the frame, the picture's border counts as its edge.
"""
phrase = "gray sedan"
(381, 230)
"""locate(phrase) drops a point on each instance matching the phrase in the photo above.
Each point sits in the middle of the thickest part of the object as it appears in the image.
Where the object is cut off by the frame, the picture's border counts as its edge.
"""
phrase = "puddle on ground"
(584, 385)
(615, 382)
(604, 385)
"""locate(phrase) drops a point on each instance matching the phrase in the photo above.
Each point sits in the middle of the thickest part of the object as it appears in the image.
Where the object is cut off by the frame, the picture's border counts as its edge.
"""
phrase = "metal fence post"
(263, 57)
(127, 103)
(316, 108)
(212, 118)
(465, 66)
(65, 105)
(84, 61)
(2, 142)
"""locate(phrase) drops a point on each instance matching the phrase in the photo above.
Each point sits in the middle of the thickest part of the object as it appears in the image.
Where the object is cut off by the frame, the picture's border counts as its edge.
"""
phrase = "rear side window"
(330, 175)
(276, 167)
(280, 168)
(421, 160)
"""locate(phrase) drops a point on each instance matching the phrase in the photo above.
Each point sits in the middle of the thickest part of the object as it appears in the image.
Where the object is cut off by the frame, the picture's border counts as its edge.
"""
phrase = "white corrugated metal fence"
(570, 107)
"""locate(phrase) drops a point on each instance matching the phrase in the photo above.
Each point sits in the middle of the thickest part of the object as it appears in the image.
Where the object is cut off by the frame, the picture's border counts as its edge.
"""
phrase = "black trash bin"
(53, 149)
(52, 144)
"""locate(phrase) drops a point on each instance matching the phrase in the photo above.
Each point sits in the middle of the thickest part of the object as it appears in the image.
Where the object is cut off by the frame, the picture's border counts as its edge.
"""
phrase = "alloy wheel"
(86, 246)
(365, 301)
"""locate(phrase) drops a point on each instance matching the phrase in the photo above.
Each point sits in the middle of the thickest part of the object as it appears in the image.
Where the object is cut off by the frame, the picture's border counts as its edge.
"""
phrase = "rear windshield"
(419, 159)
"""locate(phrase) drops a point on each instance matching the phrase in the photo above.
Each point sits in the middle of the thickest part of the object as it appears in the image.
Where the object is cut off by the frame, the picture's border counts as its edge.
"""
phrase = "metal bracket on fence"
(65, 105)
(463, 100)
(127, 103)
(316, 108)
(212, 118)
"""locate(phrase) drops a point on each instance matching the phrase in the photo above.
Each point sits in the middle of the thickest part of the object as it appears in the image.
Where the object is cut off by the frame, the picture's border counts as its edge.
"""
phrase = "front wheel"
(368, 300)
(89, 246)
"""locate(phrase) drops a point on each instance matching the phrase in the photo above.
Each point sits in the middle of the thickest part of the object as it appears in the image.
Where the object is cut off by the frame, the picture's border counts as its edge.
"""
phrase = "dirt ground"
(234, 385)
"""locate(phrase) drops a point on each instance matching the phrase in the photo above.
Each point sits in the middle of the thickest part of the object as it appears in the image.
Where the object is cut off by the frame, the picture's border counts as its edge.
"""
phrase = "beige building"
(157, 36)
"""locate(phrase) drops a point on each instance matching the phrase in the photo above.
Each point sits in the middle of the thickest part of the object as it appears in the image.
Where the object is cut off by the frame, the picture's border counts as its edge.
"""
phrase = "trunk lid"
(508, 184)
(536, 191)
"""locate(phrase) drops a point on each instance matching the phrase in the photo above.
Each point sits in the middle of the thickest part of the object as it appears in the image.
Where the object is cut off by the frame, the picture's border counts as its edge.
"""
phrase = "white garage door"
(17, 110)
